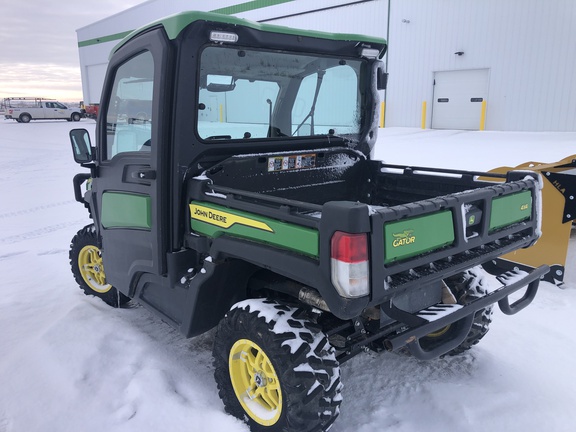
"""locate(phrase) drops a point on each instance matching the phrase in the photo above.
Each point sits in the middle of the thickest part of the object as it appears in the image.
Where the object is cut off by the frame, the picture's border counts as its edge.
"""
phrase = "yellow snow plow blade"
(558, 211)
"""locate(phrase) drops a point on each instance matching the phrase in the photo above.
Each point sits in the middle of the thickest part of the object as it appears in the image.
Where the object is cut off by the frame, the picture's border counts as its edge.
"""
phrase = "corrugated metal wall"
(365, 18)
(528, 46)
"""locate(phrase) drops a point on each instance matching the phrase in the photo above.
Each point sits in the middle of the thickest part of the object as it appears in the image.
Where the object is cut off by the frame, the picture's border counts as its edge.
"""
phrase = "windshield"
(246, 94)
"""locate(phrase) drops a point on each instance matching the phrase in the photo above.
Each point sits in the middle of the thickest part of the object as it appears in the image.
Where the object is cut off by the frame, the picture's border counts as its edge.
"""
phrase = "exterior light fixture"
(217, 36)
(369, 52)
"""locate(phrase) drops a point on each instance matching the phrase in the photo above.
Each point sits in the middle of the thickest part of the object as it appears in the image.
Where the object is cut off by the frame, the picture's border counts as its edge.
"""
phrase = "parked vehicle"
(91, 111)
(42, 109)
(232, 185)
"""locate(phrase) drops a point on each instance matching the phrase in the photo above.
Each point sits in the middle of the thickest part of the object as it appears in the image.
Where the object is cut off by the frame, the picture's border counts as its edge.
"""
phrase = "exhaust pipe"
(312, 297)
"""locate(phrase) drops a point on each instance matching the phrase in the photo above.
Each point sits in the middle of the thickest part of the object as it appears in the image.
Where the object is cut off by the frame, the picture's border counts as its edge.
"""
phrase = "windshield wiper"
(313, 107)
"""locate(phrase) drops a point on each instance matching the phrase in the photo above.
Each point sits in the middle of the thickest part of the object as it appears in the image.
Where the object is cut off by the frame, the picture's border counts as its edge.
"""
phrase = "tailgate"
(433, 238)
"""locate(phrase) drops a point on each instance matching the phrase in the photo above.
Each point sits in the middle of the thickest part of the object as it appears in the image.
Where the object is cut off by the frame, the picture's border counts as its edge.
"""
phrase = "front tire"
(88, 269)
(76, 117)
(275, 369)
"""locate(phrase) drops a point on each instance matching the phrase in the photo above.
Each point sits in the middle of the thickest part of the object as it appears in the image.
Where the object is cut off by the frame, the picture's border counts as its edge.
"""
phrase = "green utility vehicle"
(231, 185)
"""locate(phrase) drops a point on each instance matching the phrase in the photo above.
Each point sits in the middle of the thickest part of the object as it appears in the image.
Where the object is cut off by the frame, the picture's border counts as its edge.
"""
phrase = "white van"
(43, 110)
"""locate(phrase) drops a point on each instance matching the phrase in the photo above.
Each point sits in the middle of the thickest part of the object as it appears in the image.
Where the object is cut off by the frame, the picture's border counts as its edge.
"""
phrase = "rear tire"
(275, 369)
(465, 287)
(470, 285)
(25, 118)
(88, 269)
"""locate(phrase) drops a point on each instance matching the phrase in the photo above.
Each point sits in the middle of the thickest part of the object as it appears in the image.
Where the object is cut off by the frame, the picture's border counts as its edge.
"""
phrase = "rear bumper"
(438, 316)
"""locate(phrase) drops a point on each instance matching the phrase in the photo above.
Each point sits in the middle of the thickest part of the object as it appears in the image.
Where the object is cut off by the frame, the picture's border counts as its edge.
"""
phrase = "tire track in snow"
(35, 209)
(4, 423)
(6, 256)
(41, 232)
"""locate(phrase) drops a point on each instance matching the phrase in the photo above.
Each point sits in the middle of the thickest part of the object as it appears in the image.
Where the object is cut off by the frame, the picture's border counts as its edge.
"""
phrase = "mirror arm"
(92, 167)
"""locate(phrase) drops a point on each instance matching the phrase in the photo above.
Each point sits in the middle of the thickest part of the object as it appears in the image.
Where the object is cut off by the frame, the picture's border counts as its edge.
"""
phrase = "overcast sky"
(39, 48)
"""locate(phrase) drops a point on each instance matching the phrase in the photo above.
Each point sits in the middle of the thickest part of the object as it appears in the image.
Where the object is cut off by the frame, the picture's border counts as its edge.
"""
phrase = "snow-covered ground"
(69, 363)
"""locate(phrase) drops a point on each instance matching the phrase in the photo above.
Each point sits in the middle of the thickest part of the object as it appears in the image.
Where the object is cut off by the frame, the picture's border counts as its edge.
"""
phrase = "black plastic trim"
(78, 180)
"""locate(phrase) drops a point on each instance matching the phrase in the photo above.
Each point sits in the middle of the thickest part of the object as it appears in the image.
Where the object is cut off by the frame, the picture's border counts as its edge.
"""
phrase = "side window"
(129, 115)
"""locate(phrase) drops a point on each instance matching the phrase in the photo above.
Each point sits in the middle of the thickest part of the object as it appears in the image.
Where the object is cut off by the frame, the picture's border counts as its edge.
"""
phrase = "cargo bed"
(424, 223)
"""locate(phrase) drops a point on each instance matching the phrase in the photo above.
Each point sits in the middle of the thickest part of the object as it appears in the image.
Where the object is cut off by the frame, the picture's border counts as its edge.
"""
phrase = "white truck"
(42, 110)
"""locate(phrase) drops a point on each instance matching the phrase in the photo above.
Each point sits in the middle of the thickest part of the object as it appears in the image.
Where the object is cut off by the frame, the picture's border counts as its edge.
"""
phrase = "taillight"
(350, 264)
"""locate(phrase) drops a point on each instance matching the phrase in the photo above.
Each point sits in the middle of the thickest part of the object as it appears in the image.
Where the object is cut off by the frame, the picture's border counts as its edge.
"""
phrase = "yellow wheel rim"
(439, 333)
(255, 382)
(92, 269)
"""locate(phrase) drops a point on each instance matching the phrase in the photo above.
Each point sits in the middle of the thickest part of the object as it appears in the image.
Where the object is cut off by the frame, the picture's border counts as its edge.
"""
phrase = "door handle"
(145, 174)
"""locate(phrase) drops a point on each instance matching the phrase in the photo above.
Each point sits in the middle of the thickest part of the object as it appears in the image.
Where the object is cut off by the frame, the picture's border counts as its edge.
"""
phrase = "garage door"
(458, 97)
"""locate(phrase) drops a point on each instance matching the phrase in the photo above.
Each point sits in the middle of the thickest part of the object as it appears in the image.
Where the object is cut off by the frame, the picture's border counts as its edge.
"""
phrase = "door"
(129, 206)
(55, 110)
(458, 97)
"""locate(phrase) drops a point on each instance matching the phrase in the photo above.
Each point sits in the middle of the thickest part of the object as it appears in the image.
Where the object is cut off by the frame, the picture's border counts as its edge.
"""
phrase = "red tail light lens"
(350, 265)
(349, 248)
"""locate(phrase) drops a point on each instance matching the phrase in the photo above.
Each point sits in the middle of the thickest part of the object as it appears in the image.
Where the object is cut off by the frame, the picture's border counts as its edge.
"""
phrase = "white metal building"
(515, 57)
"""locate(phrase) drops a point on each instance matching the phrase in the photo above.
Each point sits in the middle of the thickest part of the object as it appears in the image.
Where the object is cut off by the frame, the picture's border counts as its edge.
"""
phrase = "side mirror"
(81, 146)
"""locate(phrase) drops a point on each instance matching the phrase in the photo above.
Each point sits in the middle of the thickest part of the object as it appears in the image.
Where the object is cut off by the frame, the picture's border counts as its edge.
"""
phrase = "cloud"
(41, 80)
(39, 48)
